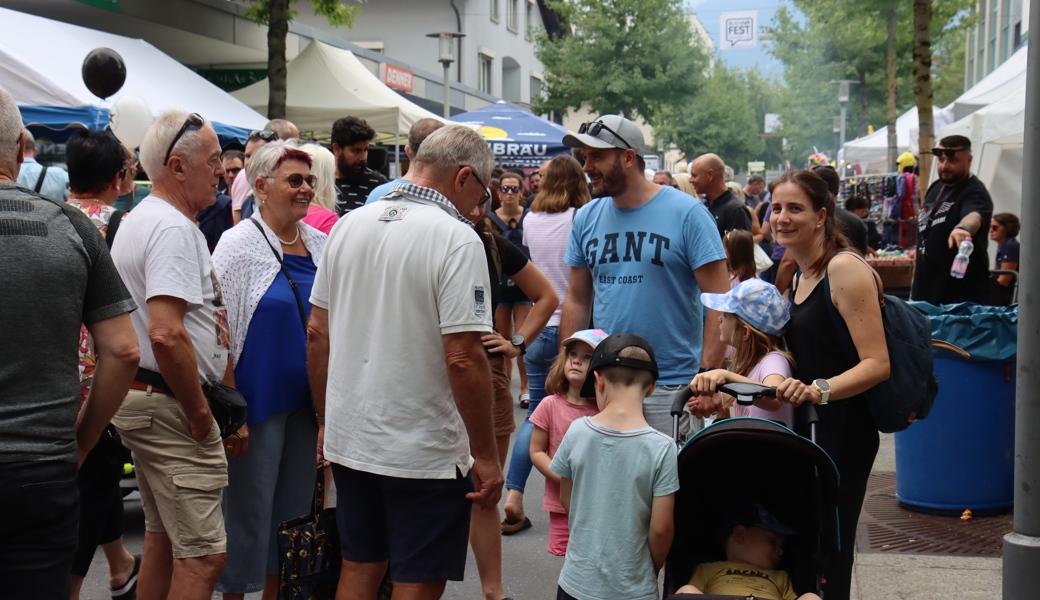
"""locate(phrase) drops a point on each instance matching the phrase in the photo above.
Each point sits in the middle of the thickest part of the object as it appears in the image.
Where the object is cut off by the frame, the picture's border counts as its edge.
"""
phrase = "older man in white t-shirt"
(181, 328)
(400, 378)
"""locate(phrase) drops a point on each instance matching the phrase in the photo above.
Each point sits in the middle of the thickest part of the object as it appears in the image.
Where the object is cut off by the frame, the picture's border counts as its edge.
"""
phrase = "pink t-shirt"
(546, 236)
(240, 190)
(555, 415)
(773, 363)
(320, 218)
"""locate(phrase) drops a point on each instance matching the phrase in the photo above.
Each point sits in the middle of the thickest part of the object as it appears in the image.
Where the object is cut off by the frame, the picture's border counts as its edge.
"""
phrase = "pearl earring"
(818, 225)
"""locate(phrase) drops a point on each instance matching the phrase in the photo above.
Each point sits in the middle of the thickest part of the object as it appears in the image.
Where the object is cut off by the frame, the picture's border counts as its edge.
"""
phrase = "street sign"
(738, 30)
(756, 166)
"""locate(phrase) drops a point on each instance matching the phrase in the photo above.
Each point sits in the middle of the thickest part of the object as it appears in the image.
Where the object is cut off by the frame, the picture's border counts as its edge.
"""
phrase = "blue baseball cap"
(751, 514)
(757, 302)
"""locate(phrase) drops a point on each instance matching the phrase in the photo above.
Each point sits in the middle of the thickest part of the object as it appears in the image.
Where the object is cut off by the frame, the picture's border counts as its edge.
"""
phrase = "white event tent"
(46, 82)
(871, 152)
(326, 83)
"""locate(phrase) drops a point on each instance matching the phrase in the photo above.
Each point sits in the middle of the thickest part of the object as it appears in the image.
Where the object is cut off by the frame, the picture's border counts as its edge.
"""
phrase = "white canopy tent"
(42, 76)
(326, 83)
(1004, 81)
(871, 152)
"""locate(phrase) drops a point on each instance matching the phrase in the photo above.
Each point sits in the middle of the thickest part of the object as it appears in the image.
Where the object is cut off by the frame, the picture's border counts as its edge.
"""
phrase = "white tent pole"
(397, 152)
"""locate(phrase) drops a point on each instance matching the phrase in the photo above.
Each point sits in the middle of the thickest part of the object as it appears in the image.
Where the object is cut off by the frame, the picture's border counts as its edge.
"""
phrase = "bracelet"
(319, 418)
(962, 227)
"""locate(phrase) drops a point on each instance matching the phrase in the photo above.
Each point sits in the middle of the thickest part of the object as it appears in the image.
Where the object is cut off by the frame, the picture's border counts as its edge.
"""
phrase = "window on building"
(529, 23)
(484, 73)
(1005, 39)
(536, 88)
(513, 15)
(494, 11)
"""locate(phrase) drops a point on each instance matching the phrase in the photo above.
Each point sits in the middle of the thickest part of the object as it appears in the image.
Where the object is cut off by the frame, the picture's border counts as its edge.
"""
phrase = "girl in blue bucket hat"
(754, 315)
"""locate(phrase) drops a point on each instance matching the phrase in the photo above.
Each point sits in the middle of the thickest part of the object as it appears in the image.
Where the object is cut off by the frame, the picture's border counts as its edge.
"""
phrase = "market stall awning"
(517, 137)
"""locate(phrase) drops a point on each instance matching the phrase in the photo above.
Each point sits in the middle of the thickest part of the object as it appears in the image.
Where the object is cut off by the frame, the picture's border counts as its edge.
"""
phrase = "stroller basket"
(753, 460)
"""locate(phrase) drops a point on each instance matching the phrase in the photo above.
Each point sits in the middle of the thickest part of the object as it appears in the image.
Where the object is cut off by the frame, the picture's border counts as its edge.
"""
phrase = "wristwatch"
(518, 341)
(821, 385)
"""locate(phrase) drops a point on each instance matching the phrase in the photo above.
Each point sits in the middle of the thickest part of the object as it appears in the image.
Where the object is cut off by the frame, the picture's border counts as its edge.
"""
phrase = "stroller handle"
(745, 393)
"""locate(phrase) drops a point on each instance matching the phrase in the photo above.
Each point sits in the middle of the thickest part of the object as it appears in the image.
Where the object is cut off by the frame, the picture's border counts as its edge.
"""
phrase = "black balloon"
(104, 72)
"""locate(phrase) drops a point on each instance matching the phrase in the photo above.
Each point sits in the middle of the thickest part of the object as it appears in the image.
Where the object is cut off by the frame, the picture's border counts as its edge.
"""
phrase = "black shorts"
(420, 525)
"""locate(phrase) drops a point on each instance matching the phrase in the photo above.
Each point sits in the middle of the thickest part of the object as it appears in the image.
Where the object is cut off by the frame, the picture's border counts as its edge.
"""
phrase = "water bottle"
(960, 263)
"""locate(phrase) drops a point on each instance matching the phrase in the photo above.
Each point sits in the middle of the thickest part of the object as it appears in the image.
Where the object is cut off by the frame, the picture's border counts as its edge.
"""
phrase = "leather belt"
(144, 387)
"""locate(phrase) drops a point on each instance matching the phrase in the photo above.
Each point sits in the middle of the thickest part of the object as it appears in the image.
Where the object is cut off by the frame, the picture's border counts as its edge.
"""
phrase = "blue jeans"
(539, 357)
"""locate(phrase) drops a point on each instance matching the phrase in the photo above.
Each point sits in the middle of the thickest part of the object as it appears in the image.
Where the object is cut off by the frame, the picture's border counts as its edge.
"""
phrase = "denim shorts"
(420, 525)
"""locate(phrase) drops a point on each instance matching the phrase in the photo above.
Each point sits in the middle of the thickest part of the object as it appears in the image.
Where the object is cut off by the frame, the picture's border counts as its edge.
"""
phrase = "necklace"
(294, 240)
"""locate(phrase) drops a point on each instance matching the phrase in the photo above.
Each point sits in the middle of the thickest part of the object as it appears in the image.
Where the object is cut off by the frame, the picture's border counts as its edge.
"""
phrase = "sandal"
(525, 400)
(512, 528)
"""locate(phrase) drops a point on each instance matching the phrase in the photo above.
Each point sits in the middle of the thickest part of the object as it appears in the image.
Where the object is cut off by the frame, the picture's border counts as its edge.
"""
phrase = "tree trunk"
(923, 87)
(890, 115)
(863, 125)
(277, 30)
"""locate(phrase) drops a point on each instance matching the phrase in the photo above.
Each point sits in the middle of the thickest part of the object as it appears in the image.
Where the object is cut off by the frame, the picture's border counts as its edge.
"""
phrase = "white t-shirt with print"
(396, 276)
(160, 252)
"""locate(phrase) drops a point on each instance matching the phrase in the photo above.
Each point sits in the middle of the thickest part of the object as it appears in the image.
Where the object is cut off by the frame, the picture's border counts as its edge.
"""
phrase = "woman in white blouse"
(266, 266)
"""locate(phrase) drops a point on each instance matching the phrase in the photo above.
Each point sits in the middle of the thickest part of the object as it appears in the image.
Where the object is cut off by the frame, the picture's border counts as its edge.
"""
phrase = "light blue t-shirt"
(55, 182)
(383, 189)
(642, 263)
(608, 554)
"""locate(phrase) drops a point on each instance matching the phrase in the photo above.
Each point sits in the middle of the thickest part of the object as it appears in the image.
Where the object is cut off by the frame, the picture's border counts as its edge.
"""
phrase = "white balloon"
(130, 119)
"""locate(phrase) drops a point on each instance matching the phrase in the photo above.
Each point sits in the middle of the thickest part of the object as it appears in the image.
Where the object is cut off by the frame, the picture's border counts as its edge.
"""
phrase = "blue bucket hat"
(757, 302)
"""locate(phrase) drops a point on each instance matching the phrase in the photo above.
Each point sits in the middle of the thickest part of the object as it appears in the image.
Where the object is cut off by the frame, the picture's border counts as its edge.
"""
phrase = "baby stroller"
(749, 459)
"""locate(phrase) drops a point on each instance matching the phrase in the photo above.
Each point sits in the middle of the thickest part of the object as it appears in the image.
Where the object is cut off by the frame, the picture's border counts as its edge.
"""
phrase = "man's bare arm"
(712, 278)
(175, 355)
(118, 356)
(577, 306)
(470, 376)
(318, 367)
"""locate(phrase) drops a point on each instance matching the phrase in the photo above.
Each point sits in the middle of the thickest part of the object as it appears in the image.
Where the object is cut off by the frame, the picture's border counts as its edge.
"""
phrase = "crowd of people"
(372, 325)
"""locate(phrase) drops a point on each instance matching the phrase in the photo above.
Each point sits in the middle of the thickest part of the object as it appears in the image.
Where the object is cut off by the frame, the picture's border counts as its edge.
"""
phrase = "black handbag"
(225, 402)
(309, 554)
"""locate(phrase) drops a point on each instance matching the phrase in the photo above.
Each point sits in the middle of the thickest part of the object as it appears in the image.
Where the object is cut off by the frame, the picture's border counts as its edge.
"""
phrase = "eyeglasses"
(122, 173)
(264, 134)
(594, 128)
(296, 180)
(487, 190)
(510, 189)
(193, 122)
(949, 152)
(995, 227)
(233, 171)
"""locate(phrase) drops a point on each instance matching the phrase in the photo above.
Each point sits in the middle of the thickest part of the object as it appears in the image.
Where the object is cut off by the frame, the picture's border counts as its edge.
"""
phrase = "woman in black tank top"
(802, 220)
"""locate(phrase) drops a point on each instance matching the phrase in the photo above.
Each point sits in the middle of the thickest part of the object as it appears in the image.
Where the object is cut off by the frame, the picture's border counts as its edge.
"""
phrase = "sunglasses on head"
(510, 189)
(192, 123)
(594, 128)
(264, 134)
(948, 152)
(296, 180)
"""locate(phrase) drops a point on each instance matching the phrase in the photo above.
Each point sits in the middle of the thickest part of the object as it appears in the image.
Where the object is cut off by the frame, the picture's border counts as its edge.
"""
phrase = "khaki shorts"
(502, 396)
(180, 480)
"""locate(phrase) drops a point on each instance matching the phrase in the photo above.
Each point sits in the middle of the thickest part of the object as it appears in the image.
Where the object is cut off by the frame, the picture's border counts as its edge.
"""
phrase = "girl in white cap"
(554, 416)
(753, 318)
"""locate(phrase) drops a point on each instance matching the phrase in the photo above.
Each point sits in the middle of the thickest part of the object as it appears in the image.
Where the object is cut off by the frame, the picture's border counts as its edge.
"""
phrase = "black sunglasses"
(296, 180)
(193, 122)
(264, 134)
(949, 152)
(510, 189)
(487, 190)
(595, 127)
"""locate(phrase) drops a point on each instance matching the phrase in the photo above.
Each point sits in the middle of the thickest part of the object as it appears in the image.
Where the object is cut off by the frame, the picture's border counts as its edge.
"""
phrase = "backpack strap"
(113, 227)
(840, 327)
(497, 220)
(496, 256)
(39, 182)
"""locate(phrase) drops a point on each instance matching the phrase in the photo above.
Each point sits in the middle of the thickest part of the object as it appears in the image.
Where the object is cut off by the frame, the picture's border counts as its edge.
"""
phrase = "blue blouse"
(272, 372)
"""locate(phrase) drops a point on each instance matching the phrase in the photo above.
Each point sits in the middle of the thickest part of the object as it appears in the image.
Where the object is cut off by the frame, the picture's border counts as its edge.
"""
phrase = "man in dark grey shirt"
(57, 275)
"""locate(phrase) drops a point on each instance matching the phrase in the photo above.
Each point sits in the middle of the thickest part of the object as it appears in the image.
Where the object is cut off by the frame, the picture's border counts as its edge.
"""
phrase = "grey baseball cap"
(608, 131)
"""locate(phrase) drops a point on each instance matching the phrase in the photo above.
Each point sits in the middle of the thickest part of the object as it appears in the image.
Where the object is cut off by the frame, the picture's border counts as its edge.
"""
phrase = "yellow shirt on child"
(741, 579)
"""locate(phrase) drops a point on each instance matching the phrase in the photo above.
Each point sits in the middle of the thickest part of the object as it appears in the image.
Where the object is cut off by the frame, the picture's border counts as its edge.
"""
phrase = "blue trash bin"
(962, 456)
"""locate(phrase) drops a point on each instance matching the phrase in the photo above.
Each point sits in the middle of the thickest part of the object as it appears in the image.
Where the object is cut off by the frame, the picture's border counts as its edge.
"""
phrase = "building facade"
(1001, 28)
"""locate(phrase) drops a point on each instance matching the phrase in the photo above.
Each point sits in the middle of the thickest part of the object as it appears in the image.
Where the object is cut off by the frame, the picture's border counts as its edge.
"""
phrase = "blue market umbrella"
(517, 137)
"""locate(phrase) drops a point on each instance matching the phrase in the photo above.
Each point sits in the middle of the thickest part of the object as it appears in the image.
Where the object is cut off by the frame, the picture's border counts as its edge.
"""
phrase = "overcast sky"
(710, 12)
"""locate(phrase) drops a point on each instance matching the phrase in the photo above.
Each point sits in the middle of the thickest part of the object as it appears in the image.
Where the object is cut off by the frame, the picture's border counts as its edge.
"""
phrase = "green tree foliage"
(277, 14)
(636, 57)
(848, 40)
(723, 117)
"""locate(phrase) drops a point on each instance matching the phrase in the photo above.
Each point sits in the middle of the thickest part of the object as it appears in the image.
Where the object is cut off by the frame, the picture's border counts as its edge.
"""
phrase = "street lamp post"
(843, 101)
(446, 47)
(838, 126)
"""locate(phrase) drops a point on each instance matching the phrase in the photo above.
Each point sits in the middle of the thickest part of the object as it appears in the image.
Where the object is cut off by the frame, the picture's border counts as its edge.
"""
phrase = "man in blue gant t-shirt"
(641, 254)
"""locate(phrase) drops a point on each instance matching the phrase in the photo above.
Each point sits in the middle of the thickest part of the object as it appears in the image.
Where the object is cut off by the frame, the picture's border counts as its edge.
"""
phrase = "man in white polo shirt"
(400, 379)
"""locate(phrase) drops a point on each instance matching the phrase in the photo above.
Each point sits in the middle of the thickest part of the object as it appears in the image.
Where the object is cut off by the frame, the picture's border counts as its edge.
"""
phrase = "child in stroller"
(754, 543)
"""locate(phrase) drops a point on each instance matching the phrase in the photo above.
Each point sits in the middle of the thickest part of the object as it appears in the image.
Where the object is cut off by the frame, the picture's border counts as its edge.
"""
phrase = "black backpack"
(909, 392)
(515, 235)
